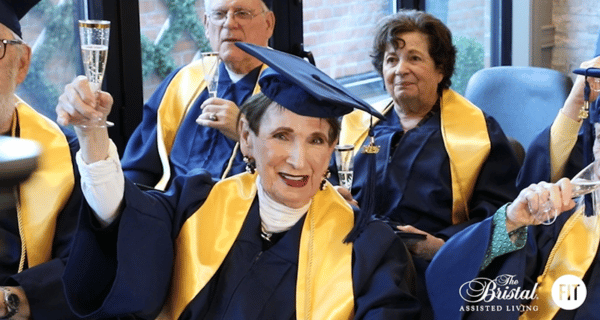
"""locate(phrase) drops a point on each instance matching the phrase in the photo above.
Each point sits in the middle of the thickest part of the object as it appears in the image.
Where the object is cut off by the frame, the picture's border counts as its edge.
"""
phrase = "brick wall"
(340, 33)
(577, 24)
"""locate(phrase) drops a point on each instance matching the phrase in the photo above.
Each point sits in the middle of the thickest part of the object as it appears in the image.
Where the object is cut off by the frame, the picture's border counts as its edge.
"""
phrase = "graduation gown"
(447, 272)
(169, 141)
(126, 268)
(48, 209)
(413, 183)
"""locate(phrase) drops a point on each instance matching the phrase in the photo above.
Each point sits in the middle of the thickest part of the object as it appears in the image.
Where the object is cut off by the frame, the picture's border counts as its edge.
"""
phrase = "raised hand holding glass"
(584, 182)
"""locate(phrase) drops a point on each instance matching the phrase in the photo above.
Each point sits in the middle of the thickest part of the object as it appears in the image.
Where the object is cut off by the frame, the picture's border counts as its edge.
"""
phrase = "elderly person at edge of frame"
(35, 232)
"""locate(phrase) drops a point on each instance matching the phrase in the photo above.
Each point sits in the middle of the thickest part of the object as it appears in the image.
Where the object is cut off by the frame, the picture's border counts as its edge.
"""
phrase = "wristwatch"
(12, 301)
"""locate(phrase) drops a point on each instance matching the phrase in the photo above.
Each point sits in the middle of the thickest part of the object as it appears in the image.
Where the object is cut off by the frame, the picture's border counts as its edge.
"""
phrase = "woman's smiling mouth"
(294, 181)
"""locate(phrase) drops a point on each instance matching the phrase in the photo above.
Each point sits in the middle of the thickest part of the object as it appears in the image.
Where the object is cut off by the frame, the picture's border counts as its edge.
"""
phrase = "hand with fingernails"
(538, 203)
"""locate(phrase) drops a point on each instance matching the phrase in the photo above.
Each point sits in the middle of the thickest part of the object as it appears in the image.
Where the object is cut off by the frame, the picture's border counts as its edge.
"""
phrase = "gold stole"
(45, 193)
(179, 97)
(573, 254)
(324, 282)
(465, 137)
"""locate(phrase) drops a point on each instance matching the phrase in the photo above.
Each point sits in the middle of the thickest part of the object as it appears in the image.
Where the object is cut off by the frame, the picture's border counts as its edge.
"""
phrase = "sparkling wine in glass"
(586, 181)
(210, 67)
(344, 159)
(94, 36)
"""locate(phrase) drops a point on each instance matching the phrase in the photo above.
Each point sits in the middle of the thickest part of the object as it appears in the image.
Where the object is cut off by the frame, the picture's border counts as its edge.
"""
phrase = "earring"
(324, 181)
(250, 164)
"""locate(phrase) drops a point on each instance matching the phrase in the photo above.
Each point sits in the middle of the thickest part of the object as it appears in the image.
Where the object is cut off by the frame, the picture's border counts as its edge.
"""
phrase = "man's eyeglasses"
(4, 43)
(242, 16)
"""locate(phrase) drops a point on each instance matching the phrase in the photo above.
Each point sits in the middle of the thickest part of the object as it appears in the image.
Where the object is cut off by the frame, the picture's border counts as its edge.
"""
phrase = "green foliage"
(183, 16)
(469, 59)
(57, 37)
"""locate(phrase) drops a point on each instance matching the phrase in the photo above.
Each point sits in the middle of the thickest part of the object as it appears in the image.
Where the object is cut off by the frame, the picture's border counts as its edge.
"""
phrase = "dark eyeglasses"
(4, 43)
(242, 16)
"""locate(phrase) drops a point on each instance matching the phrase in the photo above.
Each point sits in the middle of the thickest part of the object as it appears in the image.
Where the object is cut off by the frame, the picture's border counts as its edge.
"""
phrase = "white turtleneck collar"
(276, 217)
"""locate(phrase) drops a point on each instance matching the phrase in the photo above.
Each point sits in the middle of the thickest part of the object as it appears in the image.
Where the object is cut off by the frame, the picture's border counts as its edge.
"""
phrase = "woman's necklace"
(276, 217)
(264, 234)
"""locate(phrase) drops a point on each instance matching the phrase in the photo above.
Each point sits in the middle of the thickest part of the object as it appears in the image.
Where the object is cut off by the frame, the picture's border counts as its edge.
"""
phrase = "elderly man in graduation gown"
(35, 233)
(536, 256)
(183, 127)
(442, 164)
(277, 242)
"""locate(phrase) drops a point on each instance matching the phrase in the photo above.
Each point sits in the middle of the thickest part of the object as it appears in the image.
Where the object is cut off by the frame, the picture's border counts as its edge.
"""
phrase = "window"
(49, 29)
(172, 34)
(340, 34)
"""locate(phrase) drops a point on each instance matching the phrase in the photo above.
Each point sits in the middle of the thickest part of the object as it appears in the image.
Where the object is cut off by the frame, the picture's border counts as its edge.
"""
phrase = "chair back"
(597, 51)
(524, 100)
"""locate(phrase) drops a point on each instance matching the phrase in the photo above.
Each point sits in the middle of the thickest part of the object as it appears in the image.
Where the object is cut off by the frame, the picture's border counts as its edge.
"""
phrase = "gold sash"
(179, 97)
(45, 193)
(572, 254)
(324, 283)
(468, 145)
(465, 137)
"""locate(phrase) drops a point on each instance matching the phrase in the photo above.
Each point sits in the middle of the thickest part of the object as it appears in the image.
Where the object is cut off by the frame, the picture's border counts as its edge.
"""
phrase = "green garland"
(183, 17)
(469, 59)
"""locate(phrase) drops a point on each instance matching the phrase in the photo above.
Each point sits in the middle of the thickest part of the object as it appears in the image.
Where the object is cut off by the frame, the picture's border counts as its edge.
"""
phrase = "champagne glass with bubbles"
(94, 36)
(344, 158)
(210, 67)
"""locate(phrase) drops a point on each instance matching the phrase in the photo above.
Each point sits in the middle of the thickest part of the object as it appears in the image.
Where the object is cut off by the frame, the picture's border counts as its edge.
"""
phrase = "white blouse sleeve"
(103, 185)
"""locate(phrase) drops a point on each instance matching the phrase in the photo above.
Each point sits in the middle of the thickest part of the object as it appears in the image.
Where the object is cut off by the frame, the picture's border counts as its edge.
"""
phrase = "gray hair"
(262, 4)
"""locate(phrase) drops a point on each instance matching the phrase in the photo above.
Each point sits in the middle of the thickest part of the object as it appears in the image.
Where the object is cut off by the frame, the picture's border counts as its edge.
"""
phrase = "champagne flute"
(344, 159)
(210, 67)
(94, 35)
(584, 182)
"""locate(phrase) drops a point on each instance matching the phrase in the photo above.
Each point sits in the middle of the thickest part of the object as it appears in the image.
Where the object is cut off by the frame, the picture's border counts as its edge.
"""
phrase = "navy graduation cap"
(11, 11)
(301, 87)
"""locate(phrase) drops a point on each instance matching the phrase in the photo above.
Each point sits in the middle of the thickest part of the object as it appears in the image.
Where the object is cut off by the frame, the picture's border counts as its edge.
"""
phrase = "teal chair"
(524, 100)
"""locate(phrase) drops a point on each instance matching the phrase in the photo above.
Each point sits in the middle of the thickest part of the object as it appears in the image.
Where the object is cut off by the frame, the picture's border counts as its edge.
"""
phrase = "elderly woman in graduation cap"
(277, 242)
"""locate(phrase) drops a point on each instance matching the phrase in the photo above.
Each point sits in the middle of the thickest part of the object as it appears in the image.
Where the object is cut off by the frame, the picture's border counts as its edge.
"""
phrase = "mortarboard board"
(11, 11)
(303, 88)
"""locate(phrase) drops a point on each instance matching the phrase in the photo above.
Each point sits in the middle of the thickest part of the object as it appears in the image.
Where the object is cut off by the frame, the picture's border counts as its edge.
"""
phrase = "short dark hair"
(439, 38)
(254, 108)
